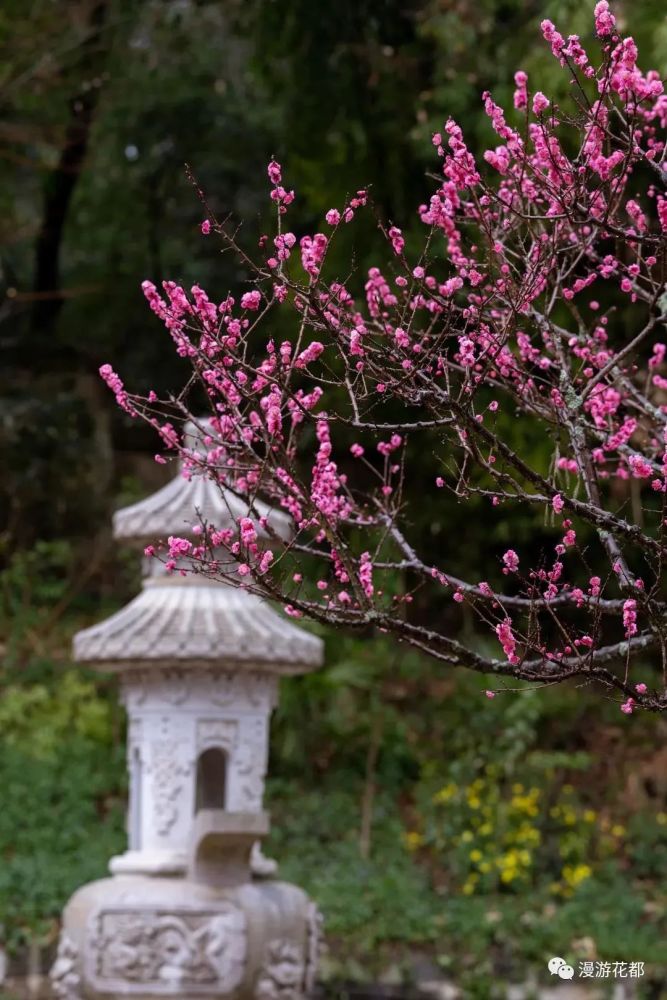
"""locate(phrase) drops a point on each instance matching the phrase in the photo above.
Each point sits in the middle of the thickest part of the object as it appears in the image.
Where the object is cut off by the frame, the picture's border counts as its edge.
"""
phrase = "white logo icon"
(559, 967)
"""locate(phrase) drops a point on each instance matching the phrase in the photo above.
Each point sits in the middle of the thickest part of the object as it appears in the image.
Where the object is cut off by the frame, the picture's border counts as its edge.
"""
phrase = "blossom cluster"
(507, 313)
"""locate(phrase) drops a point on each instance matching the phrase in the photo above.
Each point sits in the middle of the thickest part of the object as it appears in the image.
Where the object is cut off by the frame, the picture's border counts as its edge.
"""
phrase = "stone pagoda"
(192, 909)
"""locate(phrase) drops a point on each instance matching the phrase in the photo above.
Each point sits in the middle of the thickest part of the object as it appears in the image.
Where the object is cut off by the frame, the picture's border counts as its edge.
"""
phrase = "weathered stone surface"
(150, 937)
(188, 622)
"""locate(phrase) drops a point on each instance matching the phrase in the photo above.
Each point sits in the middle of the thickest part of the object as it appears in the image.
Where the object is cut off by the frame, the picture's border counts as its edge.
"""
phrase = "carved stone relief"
(282, 974)
(155, 689)
(224, 689)
(177, 690)
(168, 771)
(217, 733)
(65, 976)
(314, 946)
(137, 950)
(250, 764)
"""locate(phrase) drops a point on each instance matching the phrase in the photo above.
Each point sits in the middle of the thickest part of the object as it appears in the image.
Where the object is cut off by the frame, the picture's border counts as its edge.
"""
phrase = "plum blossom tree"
(504, 311)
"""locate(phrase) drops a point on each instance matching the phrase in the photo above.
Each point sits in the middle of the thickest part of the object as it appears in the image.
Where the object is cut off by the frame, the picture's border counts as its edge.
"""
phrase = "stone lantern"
(192, 909)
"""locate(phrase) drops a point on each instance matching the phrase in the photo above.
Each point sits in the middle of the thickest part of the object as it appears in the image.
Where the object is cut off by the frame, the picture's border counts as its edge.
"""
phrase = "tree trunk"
(58, 192)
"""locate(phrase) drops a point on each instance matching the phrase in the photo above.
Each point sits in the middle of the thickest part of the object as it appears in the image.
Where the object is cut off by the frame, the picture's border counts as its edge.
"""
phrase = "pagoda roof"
(189, 622)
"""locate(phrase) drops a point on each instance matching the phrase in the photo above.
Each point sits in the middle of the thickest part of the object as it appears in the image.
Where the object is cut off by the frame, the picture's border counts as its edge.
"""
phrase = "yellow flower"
(475, 855)
(590, 815)
(617, 830)
(470, 883)
(466, 836)
(446, 793)
(527, 834)
(525, 803)
(575, 874)
(413, 839)
(662, 818)
(517, 789)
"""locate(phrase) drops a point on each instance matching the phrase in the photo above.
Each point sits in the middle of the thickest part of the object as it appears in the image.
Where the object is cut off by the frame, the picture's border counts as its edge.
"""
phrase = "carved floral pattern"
(168, 772)
(250, 764)
(282, 974)
(314, 946)
(65, 977)
(204, 687)
(139, 949)
(217, 733)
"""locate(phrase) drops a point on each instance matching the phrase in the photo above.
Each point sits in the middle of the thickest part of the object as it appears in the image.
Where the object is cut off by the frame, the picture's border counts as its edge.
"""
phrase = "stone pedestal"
(146, 937)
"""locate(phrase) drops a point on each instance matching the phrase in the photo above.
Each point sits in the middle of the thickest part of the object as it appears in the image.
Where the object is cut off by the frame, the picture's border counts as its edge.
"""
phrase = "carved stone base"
(148, 938)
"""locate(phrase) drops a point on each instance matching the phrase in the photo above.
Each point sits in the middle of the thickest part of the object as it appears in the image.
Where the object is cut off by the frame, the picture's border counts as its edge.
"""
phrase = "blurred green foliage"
(62, 819)
(425, 820)
(500, 833)
(62, 752)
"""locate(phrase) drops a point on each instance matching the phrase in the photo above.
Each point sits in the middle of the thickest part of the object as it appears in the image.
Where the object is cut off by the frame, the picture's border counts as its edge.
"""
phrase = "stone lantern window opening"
(211, 780)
